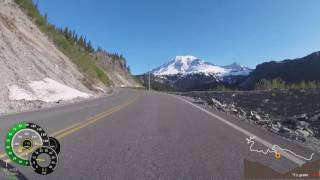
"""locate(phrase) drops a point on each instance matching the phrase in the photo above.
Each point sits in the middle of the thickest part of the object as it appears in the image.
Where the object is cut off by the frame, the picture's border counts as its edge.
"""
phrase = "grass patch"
(83, 60)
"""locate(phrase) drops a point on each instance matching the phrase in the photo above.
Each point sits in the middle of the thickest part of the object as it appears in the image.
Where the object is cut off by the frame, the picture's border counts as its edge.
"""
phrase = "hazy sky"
(150, 32)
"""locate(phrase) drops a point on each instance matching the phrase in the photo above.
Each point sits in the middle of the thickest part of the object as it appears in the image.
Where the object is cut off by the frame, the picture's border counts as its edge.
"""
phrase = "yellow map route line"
(80, 125)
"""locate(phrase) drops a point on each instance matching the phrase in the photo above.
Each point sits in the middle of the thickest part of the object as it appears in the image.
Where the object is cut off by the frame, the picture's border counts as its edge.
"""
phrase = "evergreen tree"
(46, 18)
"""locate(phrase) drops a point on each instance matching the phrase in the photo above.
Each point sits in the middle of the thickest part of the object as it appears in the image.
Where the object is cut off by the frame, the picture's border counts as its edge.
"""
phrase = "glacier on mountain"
(186, 65)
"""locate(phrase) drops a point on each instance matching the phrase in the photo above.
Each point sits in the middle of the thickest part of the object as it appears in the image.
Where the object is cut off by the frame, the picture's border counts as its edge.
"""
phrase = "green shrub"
(223, 88)
(265, 84)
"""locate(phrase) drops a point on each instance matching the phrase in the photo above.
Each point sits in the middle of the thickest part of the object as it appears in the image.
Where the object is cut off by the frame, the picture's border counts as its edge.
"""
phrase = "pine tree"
(46, 18)
(81, 41)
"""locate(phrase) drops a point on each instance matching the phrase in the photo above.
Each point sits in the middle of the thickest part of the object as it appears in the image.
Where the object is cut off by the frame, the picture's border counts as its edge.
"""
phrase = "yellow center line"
(80, 125)
(94, 119)
(65, 129)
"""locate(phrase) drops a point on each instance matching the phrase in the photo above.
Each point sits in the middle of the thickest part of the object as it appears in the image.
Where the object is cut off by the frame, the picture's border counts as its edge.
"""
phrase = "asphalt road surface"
(148, 135)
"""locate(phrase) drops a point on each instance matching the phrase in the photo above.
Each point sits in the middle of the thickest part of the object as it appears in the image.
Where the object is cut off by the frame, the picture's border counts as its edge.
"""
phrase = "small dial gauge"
(44, 160)
(22, 139)
(54, 144)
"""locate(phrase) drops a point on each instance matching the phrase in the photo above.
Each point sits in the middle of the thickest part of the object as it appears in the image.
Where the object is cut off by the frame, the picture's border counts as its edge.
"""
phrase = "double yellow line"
(80, 125)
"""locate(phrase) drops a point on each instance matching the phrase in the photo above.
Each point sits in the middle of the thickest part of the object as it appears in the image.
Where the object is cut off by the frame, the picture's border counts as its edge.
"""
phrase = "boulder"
(255, 116)
(216, 103)
(315, 117)
(302, 124)
(302, 117)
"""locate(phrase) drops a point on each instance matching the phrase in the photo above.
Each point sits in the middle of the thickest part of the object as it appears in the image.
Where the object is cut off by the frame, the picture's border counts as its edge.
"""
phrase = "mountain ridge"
(192, 65)
(289, 73)
(188, 73)
(304, 69)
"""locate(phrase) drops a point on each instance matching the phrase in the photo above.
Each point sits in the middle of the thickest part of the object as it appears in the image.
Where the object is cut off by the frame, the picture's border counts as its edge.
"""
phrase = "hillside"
(41, 66)
(116, 68)
(81, 52)
(76, 49)
(291, 71)
(28, 57)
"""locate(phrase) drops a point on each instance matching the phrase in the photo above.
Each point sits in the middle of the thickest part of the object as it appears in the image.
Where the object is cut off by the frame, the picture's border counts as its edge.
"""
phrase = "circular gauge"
(54, 144)
(44, 160)
(22, 139)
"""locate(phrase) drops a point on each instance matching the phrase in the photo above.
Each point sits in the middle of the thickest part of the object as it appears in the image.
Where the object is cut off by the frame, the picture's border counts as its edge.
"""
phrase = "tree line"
(112, 55)
(79, 40)
(265, 84)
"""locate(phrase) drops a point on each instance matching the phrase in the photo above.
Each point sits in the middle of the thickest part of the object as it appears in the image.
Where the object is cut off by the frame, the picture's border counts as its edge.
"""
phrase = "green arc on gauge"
(9, 139)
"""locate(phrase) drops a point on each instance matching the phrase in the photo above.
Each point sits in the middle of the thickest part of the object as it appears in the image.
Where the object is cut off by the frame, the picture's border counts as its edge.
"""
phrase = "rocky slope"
(293, 114)
(116, 69)
(31, 66)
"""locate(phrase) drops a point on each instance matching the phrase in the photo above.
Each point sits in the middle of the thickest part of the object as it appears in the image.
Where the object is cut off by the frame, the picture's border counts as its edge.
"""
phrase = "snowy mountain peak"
(235, 64)
(184, 59)
(184, 63)
(193, 65)
(237, 67)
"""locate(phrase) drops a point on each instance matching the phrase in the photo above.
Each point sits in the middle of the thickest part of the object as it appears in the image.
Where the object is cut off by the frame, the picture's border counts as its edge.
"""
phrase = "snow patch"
(17, 93)
(47, 90)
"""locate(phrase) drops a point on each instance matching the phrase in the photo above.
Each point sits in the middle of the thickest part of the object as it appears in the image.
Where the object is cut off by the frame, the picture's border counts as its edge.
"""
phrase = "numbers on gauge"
(44, 160)
(28, 144)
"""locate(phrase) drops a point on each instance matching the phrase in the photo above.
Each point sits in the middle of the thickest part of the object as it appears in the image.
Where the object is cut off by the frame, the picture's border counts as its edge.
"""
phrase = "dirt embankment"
(116, 69)
(26, 56)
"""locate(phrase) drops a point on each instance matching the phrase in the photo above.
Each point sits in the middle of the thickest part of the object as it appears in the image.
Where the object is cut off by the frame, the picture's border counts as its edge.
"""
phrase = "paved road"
(147, 135)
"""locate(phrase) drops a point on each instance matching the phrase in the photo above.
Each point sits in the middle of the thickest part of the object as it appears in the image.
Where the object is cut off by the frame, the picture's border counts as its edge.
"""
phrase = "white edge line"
(245, 132)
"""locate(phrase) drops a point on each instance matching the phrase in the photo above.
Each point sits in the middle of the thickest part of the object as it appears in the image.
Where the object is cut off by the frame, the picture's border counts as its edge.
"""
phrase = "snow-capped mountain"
(236, 69)
(186, 65)
(188, 73)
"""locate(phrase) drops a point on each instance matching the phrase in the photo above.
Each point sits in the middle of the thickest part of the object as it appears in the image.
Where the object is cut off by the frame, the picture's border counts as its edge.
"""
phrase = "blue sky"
(150, 32)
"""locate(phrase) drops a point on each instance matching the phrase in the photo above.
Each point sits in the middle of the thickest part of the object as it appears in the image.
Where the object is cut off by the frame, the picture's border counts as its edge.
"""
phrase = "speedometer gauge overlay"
(54, 144)
(44, 160)
(22, 139)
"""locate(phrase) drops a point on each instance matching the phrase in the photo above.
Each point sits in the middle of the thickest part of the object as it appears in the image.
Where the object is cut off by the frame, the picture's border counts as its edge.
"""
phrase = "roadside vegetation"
(223, 88)
(76, 47)
(274, 84)
(265, 84)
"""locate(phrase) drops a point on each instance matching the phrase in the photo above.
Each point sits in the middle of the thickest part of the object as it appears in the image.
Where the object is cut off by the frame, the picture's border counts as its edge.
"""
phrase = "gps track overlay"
(257, 170)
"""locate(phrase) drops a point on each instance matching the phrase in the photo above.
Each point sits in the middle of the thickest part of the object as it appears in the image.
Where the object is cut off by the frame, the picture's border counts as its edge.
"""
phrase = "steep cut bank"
(32, 68)
(108, 68)
(115, 66)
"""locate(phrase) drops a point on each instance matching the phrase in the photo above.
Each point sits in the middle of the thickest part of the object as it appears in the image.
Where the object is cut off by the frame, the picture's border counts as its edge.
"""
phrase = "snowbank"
(47, 90)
